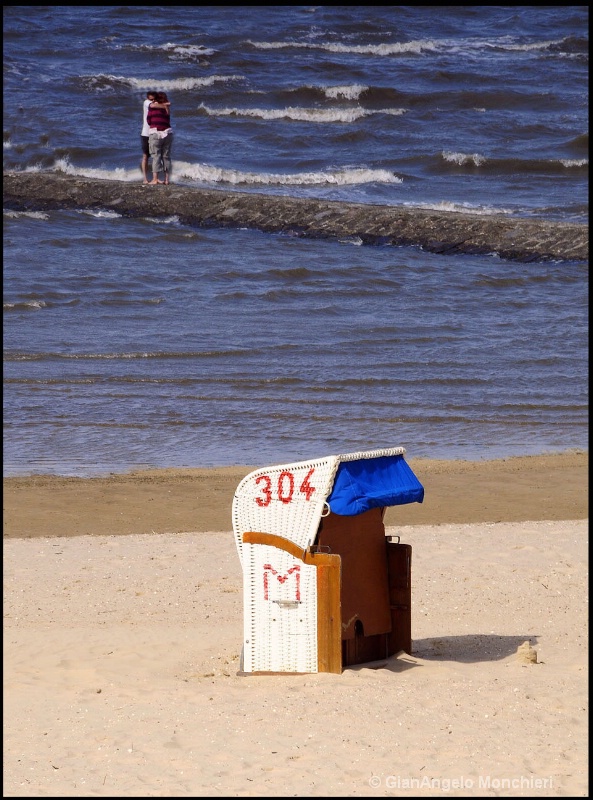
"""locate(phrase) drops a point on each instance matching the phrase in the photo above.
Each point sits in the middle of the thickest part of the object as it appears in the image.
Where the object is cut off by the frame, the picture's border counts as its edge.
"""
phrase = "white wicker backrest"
(286, 500)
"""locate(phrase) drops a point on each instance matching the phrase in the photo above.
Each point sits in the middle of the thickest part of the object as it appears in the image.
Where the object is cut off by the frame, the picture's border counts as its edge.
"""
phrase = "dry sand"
(121, 652)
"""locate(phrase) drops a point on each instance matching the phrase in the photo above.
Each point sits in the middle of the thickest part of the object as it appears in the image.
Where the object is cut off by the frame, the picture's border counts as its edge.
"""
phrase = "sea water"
(144, 342)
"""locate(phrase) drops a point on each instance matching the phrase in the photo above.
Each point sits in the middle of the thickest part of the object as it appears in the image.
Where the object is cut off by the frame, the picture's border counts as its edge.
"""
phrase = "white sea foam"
(100, 214)
(185, 49)
(350, 92)
(532, 46)
(207, 173)
(355, 240)
(145, 84)
(466, 208)
(172, 220)
(339, 177)
(395, 48)
(464, 158)
(26, 303)
(415, 47)
(27, 214)
(574, 162)
(479, 160)
(322, 115)
(183, 84)
(117, 174)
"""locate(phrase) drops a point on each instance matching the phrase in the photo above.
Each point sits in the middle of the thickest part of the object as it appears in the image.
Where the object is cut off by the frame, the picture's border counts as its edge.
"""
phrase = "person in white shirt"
(150, 96)
(160, 137)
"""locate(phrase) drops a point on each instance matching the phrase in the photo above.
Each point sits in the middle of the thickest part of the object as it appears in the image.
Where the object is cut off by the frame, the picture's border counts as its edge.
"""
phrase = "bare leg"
(143, 167)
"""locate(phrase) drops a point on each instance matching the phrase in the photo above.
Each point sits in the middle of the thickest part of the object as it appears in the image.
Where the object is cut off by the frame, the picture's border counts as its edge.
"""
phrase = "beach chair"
(323, 587)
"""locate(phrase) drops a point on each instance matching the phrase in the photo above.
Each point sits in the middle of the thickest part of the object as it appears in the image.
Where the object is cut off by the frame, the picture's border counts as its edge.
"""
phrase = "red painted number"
(266, 490)
(305, 486)
(285, 498)
(284, 488)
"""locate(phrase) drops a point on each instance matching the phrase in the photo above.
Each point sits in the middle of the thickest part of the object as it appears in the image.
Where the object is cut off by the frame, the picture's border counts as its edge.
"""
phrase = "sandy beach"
(123, 630)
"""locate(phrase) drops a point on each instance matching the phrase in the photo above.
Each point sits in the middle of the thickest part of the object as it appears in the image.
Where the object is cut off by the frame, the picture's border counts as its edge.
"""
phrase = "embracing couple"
(156, 137)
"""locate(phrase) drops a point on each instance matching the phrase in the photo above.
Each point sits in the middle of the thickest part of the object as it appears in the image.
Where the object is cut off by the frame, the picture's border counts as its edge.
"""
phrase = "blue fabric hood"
(373, 482)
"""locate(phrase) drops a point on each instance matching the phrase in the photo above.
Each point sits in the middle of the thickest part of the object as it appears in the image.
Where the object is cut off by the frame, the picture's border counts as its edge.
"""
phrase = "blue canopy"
(372, 482)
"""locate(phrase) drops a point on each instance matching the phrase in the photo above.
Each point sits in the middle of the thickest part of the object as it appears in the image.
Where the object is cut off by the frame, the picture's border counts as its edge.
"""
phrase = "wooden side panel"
(329, 628)
(363, 649)
(399, 564)
(360, 541)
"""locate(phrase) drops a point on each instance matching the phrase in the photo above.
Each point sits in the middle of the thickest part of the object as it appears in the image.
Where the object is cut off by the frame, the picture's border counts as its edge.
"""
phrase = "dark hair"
(161, 97)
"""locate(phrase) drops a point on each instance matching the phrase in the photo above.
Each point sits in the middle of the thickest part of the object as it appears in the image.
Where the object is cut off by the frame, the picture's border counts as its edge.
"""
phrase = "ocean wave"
(574, 162)
(91, 212)
(126, 356)
(513, 165)
(420, 46)
(103, 82)
(580, 142)
(190, 51)
(464, 208)
(318, 115)
(353, 92)
(25, 214)
(340, 177)
(461, 159)
(28, 305)
(395, 48)
(526, 47)
(117, 174)
(172, 220)
(569, 46)
(37, 304)
(348, 92)
(206, 173)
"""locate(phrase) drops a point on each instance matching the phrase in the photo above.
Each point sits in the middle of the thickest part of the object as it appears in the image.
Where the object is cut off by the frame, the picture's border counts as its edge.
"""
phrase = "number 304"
(284, 488)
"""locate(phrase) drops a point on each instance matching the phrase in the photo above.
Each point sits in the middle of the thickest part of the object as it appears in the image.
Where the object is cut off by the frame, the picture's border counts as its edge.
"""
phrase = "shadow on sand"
(470, 648)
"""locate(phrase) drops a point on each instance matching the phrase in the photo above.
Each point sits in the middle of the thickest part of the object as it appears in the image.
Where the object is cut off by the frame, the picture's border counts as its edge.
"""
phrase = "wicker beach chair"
(293, 587)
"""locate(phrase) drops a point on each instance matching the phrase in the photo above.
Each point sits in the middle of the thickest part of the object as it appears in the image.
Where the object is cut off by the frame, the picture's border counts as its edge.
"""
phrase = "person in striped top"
(160, 137)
